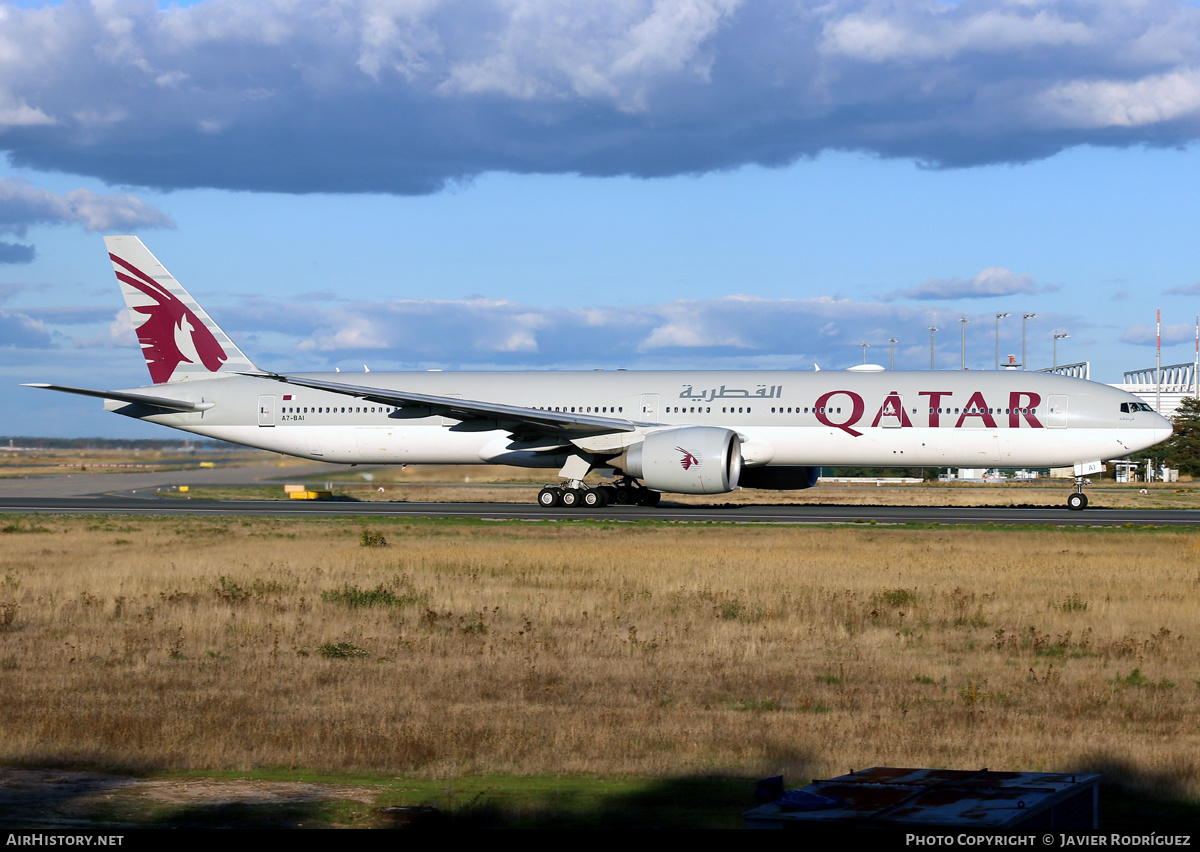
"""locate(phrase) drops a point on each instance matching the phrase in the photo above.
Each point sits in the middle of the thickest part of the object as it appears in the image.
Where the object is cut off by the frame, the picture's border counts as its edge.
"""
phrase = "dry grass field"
(53, 462)
(462, 648)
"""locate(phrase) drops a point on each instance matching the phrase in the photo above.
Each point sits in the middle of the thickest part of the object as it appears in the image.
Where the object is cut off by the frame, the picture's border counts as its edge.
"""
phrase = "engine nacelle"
(780, 477)
(688, 460)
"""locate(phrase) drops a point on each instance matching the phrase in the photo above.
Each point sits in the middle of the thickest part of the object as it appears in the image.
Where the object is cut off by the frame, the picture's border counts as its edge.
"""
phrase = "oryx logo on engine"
(688, 460)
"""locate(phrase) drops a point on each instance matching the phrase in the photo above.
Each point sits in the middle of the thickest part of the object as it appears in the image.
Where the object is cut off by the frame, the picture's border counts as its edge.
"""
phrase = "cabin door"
(650, 407)
(266, 410)
(1056, 416)
(892, 414)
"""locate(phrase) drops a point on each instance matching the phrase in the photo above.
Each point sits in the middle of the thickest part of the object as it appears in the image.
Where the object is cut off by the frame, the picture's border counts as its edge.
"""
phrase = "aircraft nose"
(1162, 428)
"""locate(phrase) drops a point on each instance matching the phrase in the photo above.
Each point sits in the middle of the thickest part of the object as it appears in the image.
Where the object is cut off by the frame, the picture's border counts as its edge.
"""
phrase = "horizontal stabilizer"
(132, 398)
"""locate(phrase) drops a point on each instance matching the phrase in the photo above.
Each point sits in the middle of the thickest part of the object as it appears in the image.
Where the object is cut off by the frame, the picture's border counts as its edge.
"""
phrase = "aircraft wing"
(132, 398)
(491, 415)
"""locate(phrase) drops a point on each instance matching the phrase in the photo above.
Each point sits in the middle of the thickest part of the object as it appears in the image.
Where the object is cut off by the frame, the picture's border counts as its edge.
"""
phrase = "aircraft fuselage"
(902, 419)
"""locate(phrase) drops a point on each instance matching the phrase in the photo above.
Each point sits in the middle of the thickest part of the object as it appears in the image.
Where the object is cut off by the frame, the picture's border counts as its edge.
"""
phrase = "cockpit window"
(1130, 407)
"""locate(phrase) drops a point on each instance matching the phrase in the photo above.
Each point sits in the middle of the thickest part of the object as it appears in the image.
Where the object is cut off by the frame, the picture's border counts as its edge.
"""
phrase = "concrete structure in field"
(1080, 370)
(975, 802)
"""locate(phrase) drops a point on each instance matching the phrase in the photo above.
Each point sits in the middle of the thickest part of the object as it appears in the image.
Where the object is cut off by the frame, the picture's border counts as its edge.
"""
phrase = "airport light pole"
(892, 341)
(1024, 319)
(932, 332)
(1058, 335)
(864, 346)
(964, 322)
(999, 316)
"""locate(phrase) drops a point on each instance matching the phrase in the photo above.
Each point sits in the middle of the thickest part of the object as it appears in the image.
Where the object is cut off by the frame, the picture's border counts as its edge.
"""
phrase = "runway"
(135, 494)
(719, 513)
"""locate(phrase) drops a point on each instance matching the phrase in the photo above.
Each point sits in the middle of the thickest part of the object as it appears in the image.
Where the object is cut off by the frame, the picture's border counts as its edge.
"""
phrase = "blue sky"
(467, 184)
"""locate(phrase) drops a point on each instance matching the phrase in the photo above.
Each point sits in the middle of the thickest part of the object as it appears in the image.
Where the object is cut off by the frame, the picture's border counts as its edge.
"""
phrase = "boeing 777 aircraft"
(686, 432)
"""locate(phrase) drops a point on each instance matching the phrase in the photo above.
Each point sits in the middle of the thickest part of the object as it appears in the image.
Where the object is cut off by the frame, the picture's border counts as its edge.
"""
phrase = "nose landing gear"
(1077, 501)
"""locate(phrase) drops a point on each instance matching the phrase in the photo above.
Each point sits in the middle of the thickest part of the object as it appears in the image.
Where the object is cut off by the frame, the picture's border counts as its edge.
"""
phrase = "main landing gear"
(1077, 501)
(576, 495)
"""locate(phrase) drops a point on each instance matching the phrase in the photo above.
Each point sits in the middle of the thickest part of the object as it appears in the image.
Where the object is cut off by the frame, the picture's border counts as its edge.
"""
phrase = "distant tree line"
(887, 472)
(1182, 449)
(113, 443)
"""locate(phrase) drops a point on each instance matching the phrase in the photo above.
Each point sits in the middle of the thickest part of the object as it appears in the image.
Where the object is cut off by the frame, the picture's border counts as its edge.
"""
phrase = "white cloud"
(1142, 334)
(19, 331)
(682, 335)
(922, 33)
(469, 333)
(14, 112)
(577, 48)
(22, 204)
(733, 332)
(1116, 103)
(119, 334)
(354, 332)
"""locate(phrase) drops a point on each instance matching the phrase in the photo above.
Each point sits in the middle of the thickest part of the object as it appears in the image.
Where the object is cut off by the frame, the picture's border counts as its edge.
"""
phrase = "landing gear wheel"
(549, 497)
(622, 495)
(594, 498)
(649, 498)
(570, 498)
(1077, 502)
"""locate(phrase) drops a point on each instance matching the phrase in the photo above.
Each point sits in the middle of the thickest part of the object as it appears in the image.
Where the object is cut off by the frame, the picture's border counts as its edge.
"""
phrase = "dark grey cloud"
(320, 296)
(70, 315)
(16, 253)
(993, 281)
(379, 96)
(1189, 290)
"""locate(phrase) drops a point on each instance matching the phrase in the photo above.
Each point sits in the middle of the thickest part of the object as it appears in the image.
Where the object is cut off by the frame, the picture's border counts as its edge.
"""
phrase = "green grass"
(503, 801)
(491, 801)
(354, 597)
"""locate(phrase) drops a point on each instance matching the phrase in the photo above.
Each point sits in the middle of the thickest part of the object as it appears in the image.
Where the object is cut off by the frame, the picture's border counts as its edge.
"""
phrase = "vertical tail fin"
(179, 340)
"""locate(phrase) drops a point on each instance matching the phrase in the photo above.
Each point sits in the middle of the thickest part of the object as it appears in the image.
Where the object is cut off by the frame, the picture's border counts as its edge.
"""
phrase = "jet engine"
(688, 460)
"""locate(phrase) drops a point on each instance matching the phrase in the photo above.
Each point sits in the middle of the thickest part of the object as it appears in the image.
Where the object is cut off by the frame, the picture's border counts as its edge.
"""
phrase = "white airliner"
(685, 432)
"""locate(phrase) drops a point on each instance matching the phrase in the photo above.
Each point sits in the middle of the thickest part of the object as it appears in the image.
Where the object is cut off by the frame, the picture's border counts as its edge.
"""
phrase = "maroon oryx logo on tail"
(688, 459)
(171, 334)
